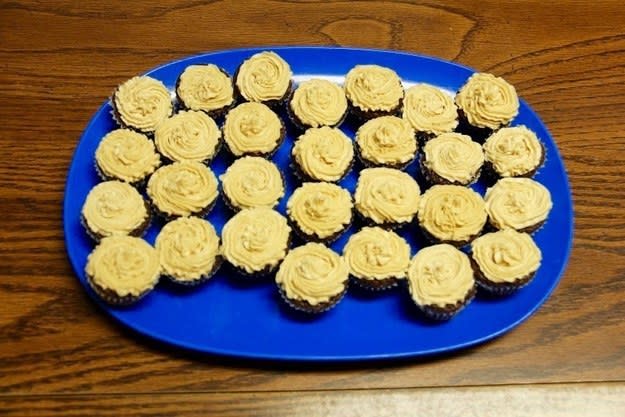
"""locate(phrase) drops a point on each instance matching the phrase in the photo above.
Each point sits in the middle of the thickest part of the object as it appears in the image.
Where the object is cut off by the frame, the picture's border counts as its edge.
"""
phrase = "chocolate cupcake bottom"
(112, 298)
(197, 280)
(306, 307)
(457, 243)
(312, 237)
(439, 313)
(499, 288)
(375, 284)
(366, 114)
(432, 178)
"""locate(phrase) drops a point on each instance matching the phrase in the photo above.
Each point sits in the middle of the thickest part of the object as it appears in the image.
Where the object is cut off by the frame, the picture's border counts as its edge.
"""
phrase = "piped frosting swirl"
(142, 103)
(188, 136)
(264, 76)
(386, 140)
(373, 88)
(454, 157)
(126, 155)
(252, 182)
(205, 87)
(517, 203)
(252, 128)
(323, 153)
(430, 109)
(513, 151)
(318, 102)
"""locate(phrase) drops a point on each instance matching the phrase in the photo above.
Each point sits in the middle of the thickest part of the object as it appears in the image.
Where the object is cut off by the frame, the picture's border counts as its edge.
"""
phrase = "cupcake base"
(364, 115)
(432, 178)
(499, 288)
(306, 307)
(304, 177)
(388, 225)
(371, 164)
(490, 227)
(169, 216)
(198, 280)
(457, 243)
(478, 134)
(112, 298)
(316, 238)
(439, 313)
(303, 126)
(375, 284)
(492, 176)
(215, 113)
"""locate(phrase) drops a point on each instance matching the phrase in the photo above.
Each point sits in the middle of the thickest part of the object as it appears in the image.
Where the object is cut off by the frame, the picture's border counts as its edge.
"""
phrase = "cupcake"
(320, 211)
(141, 104)
(182, 189)
(316, 103)
(504, 261)
(452, 158)
(255, 241)
(122, 269)
(252, 181)
(206, 88)
(114, 208)
(377, 258)
(312, 278)
(188, 250)
(322, 154)
(386, 141)
(126, 155)
(253, 129)
(188, 136)
(451, 214)
(264, 78)
(513, 152)
(518, 203)
(430, 111)
(373, 91)
(386, 197)
(441, 281)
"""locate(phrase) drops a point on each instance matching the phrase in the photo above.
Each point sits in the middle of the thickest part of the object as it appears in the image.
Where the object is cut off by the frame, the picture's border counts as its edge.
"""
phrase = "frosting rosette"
(323, 153)
(373, 88)
(386, 140)
(430, 109)
(142, 103)
(205, 87)
(517, 203)
(317, 102)
(264, 76)
(188, 136)
(252, 181)
(252, 128)
(374, 253)
(454, 157)
(514, 151)
(126, 155)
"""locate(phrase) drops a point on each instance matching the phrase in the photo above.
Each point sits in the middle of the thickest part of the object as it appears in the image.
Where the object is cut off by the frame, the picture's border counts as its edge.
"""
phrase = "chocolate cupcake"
(373, 91)
(322, 154)
(252, 181)
(206, 88)
(253, 129)
(513, 152)
(452, 158)
(430, 111)
(141, 104)
(316, 103)
(387, 141)
(264, 78)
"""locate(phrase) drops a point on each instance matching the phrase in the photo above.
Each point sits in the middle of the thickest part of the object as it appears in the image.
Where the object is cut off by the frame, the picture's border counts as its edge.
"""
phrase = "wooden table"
(59, 355)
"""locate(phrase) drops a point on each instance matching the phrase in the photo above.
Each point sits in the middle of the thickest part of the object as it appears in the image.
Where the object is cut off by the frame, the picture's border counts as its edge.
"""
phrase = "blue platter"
(229, 317)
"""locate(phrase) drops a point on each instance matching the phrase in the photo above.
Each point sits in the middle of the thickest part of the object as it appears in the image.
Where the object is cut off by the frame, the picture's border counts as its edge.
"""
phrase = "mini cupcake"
(373, 91)
(504, 261)
(323, 154)
(518, 203)
(126, 155)
(182, 189)
(377, 258)
(252, 181)
(430, 111)
(312, 278)
(316, 103)
(451, 214)
(320, 211)
(386, 141)
(206, 88)
(513, 152)
(188, 136)
(386, 197)
(441, 281)
(114, 208)
(255, 241)
(452, 158)
(188, 250)
(122, 269)
(264, 78)
(141, 104)
(253, 129)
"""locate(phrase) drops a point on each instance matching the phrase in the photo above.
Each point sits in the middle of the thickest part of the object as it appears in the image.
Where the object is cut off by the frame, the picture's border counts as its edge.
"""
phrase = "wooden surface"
(59, 355)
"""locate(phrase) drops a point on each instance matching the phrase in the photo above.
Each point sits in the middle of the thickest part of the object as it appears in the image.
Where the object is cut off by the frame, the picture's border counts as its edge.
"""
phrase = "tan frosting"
(324, 153)
(513, 151)
(252, 128)
(312, 273)
(188, 136)
(126, 155)
(517, 203)
(506, 256)
(114, 208)
(386, 139)
(372, 87)
(454, 157)
(205, 87)
(440, 275)
(387, 195)
(182, 188)
(374, 253)
(187, 248)
(143, 103)
(320, 208)
(318, 102)
(264, 76)
(452, 212)
(125, 265)
(488, 101)
(256, 238)
(252, 181)
(430, 109)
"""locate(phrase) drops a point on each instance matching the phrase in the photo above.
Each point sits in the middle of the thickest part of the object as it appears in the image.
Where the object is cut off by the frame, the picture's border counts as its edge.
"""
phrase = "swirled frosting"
(264, 76)
(114, 208)
(488, 101)
(517, 203)
(182, 188)
(126, 155)
(452, 212)
(387, 195)
(318, 102)
(430, 109)
(513, 151)
(375, 253)
(454, 157)
(320, 208)
(323, 153)
(440, 275)
(125, 265)
(372, 87)
(252, 181)
(312, 273)
(188, 136)
(252, 128)
(255, 239)
(506, 256)
(205, 87)
(142, 103)
(386, 140)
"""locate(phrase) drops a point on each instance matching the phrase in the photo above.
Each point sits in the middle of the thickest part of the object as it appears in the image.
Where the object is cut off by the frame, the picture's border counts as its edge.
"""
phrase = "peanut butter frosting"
(264, 76)
(323, 153)
(374, 253)
(252, 128)
(372, 87)
(517, 203)
(142, 103)
(126, 155)
(188, 136)
(252, 181)
(205, 87)
(513, 151)
(318, 102)
(454, 157)
(430, 109)
(386, 140)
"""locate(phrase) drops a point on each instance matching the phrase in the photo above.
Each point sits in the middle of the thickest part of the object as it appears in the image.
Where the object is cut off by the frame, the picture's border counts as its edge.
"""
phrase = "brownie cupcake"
(373, 91)
(264, 78)
(141, 104)
(386, 141)
(316, 103)
(452, 158)
(322, 154)
(253, 129)
(312, 278)
(206, 88)
(513, 152)
(252, 181)
(430, 111)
